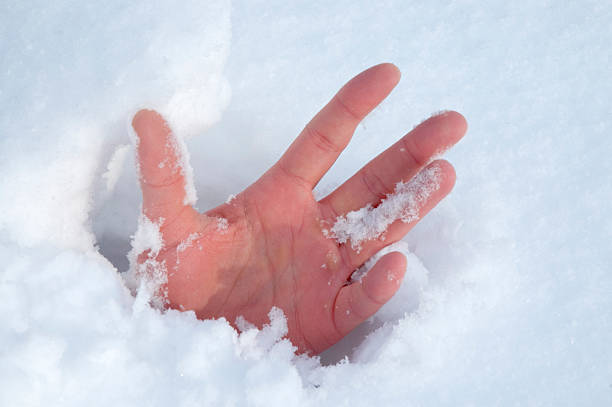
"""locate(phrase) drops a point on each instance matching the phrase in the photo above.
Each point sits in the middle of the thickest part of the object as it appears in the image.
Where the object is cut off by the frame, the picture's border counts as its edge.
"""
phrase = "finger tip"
(447, 174)
(396, 260)
(459, 122)
(455, 123)
(387, 275)
(391, 69)
(386, 74)
(144, 118)
(439, 132)
(448, 169)
(391, 73)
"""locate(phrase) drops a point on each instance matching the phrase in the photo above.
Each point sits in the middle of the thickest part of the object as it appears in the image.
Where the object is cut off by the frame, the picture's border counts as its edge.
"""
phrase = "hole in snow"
(116, 202)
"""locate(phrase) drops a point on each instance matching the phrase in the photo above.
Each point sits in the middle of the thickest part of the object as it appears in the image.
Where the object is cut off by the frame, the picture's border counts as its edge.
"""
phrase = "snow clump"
(403, 204)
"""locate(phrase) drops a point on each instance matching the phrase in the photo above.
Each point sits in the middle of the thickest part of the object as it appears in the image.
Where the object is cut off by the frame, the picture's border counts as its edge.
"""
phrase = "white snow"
(146, 277)
(115, 166)
(222, 225)
(507, 299)
(185, 168)
(187, 243)
(403, 204)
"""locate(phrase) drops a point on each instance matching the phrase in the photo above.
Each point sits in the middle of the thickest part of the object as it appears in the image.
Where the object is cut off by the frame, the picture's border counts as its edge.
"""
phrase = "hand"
(267, 247)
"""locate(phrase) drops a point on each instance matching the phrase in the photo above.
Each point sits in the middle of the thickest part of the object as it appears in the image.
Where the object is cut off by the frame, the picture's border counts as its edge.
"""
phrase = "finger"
(360, 300)
(399, 162)
(161, 176)
(419, 196)
(323, 139)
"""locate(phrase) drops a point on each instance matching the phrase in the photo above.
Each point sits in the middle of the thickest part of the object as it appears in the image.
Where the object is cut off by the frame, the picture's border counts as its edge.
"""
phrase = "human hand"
(270, 246)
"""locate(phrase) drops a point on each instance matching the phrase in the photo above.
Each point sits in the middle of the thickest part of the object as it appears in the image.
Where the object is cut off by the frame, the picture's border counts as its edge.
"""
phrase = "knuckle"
(163, 179)
(321, 140)
(411, 152)
(375, 184)
(342, 104)
(293, 176)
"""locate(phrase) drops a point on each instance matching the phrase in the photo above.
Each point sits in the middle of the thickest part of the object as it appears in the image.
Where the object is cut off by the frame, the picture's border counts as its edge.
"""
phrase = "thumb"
(162, 177)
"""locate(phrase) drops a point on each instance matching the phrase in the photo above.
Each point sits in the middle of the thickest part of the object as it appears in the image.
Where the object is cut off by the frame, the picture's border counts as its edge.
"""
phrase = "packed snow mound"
(507, 297)
(78, 337)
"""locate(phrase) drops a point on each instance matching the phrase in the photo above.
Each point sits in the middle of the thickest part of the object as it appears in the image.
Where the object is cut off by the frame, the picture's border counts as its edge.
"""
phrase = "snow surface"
(508, 294)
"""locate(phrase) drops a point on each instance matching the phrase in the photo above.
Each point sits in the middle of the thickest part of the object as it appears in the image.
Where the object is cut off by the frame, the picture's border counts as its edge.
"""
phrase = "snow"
(184, 245)
(508, 294)
(147, 277)
(222, 225)
(403, 204)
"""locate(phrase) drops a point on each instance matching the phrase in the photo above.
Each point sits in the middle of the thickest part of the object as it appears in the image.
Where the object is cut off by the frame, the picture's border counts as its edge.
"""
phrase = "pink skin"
(274, 252)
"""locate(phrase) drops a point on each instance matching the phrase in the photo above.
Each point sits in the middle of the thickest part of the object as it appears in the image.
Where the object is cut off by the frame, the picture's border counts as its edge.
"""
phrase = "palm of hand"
(266, 247)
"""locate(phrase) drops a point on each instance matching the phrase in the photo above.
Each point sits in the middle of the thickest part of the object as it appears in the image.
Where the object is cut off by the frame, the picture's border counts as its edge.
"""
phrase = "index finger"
(320, 143)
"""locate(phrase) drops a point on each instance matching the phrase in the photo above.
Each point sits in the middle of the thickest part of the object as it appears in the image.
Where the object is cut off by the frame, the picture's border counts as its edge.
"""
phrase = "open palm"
(267, 246)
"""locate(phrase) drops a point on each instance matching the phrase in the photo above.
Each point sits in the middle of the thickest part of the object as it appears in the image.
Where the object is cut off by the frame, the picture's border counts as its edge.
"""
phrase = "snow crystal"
(185, 244)
(147, 275)
(403, 204)
(222, 224)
